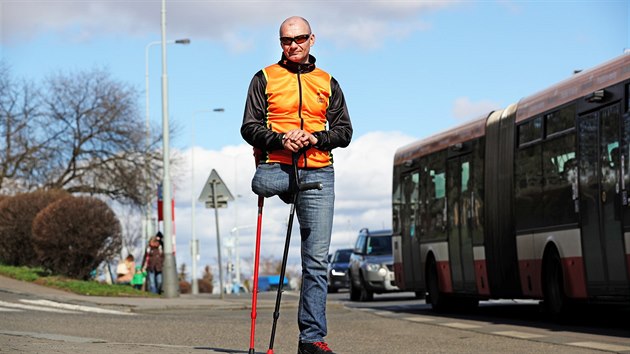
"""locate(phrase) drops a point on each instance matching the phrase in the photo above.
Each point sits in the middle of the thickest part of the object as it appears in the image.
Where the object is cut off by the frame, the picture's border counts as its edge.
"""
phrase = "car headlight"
(373, 267)
(382, 271)
(337, 273)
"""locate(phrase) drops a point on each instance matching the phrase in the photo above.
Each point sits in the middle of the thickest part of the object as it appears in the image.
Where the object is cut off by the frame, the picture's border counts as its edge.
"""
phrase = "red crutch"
(261, 202)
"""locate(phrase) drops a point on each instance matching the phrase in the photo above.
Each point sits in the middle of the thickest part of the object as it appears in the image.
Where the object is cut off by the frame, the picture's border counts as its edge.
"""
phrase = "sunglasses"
(297, 39)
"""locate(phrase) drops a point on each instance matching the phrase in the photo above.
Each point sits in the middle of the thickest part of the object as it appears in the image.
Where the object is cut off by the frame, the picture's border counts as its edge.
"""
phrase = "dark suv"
(371, 267)
(337, 270)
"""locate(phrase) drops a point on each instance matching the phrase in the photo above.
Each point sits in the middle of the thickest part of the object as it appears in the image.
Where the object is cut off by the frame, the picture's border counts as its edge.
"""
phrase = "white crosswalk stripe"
(12, 305)
(4, 309)
(72, 307)
(55, 307)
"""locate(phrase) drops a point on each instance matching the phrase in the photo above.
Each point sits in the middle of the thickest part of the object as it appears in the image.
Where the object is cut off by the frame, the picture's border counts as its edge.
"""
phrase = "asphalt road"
(394, 323)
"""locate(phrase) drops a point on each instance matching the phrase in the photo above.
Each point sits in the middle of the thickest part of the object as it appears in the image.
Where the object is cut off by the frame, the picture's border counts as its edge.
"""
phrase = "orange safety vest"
(297, 101)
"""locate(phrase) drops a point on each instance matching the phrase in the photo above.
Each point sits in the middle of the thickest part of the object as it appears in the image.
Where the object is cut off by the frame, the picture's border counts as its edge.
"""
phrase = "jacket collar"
(297, 67)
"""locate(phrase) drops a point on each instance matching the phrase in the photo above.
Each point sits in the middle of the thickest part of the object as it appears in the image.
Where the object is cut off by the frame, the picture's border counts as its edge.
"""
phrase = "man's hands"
(296, 139)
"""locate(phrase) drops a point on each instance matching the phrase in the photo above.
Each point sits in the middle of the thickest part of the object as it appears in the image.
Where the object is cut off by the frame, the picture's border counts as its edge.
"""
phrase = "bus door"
(601, 202)
(459, 196)
(411, 233)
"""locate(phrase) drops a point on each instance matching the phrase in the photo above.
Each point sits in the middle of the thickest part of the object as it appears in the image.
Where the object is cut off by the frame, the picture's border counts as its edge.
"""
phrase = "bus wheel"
(437, 299)
(555, 300)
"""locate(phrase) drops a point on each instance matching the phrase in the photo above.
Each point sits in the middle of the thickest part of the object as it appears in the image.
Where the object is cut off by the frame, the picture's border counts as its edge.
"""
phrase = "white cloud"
(363, 178)
(370, 23)
(465, 109)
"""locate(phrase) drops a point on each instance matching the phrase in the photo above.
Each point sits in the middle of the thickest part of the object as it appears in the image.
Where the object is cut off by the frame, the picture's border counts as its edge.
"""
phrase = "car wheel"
(355, 293)
(332, 289)
(365, 295)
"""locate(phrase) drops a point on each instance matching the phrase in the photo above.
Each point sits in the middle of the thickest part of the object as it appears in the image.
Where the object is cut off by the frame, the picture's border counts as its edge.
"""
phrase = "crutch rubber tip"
(251, 351)
(270, 351)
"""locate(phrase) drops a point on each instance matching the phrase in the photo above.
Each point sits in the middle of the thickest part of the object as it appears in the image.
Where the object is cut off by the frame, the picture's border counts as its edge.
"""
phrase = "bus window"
(436, 191)
(528, 187)
(396, 204)
(410, 203)
(530, 131)
(558, 189)
(560, 121)
(477, 191)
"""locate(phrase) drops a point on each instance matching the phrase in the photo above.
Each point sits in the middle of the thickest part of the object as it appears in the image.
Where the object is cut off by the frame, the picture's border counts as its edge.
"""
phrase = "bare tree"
(100, 145)
(131, 231)
(82, 133)
(21, 134)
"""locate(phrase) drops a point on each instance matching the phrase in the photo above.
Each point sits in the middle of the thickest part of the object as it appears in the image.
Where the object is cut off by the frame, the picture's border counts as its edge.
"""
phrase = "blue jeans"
(314, 209)
(155, 281)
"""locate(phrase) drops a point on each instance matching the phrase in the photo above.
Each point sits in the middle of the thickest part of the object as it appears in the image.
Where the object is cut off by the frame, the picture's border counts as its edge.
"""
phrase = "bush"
(74, 235)
(205, 283)
(16, 220)
(185, 287)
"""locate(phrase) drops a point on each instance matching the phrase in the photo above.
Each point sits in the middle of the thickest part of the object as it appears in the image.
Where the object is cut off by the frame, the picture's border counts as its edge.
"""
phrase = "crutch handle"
(311, 185)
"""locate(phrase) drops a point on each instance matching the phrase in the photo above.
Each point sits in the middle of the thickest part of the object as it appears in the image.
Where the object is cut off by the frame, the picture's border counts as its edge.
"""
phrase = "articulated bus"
(527, 202)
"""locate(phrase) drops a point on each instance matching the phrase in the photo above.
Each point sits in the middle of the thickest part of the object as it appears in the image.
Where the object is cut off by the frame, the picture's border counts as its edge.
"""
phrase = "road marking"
(60, 305)
(419, 319)
(460, 325)
(600, 346)
(36, 308)
(4, 309)
(51, 336)
(516, 334)
(384, 313)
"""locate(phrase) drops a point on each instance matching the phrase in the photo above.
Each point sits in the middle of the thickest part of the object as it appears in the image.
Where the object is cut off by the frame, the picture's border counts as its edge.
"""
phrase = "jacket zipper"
(299, 78)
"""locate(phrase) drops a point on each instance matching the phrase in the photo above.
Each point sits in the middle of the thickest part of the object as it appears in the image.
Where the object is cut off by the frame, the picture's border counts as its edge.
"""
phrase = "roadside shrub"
(74, 235)
(16, 220)
(205, 283)
(185, 287)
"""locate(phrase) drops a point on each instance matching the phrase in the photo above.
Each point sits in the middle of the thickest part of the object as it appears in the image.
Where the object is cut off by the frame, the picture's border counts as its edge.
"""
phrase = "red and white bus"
(530, 201)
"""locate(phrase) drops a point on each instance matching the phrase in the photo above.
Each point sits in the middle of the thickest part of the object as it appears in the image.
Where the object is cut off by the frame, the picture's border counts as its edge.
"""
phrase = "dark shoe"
(314, 348)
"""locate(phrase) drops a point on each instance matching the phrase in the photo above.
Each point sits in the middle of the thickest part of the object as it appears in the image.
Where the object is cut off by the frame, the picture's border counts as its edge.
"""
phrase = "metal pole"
(193, 203)
(216, 217)
(237, 267)
(195, 285)
(147, 230)
(169, 285)
(147, 207)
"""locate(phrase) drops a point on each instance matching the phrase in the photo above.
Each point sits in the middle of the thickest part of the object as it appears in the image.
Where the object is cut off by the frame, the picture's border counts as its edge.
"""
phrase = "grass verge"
(82, 287)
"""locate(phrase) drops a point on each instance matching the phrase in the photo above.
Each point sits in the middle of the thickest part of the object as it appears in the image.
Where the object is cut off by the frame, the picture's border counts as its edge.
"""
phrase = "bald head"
(296, 39)
(294, 22)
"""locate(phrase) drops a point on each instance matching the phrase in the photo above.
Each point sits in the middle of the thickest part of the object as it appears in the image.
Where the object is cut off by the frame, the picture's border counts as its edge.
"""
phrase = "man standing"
(294, 107)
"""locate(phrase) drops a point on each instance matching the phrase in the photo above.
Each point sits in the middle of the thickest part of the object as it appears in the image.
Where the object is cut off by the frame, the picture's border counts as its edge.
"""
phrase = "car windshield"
(342, 256)
(379, 245)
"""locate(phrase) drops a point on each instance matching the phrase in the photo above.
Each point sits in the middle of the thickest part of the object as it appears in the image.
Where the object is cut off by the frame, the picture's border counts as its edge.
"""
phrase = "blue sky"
(408, 69)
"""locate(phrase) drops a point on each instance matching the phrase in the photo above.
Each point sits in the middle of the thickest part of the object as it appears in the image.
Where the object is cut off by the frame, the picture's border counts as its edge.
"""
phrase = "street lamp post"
(169, 272)
(147, 216)
(194, 243)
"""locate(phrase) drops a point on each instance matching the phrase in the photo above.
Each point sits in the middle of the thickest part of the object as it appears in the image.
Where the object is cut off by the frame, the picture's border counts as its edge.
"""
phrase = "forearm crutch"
(299, 188)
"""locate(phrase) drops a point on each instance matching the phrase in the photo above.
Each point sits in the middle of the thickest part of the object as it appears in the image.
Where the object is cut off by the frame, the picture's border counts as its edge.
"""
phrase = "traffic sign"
(215, 188)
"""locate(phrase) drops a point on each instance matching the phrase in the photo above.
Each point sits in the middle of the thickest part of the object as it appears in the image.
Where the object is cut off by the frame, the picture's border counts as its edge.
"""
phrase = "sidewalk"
(139, 304)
